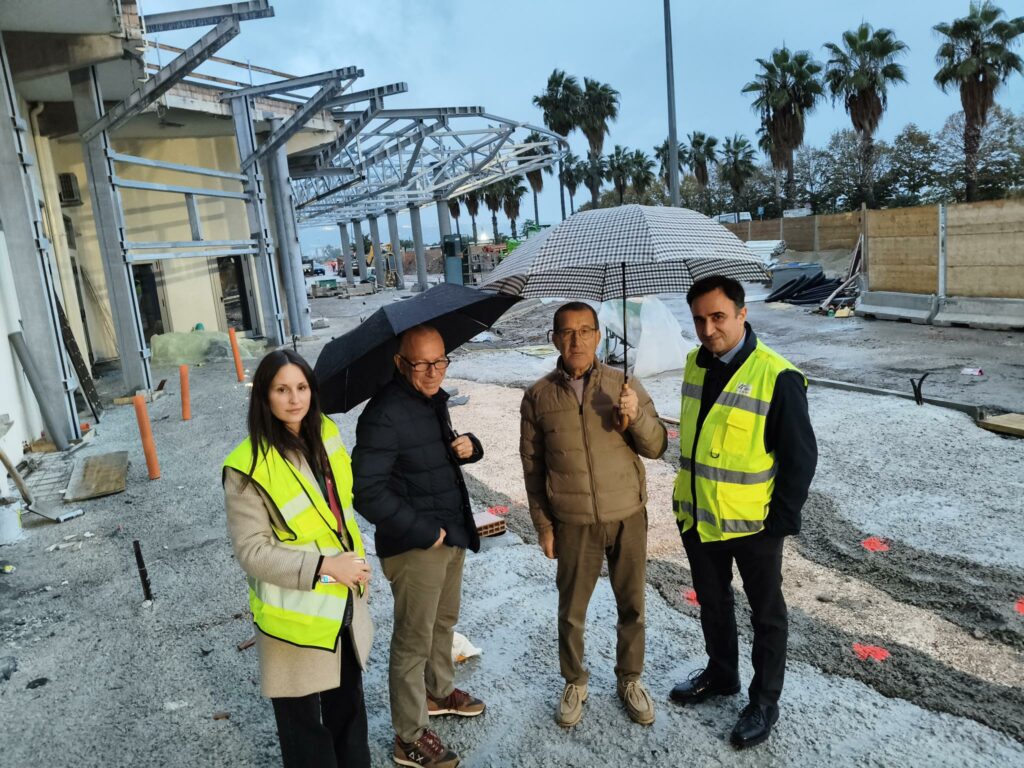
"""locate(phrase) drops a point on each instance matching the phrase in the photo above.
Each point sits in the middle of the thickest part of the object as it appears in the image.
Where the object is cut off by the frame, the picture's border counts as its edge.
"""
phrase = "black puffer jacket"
(407, 479)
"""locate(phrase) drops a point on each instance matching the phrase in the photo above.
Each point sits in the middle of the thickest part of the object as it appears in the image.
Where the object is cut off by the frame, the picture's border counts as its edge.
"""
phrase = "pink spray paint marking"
(1019, 607)
(691, 597)
(673, 433)
(875, 544)
(865, 652)
(498, 510)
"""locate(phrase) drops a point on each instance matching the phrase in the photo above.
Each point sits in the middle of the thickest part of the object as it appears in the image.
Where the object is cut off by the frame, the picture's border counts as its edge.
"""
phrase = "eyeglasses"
(567, 334)
(423, 366)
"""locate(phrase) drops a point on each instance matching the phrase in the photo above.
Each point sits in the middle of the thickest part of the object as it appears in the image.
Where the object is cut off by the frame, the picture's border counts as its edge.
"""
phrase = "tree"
(786, 90)
(492, 199)
(737, 165)
(661, 156)
(641, 172)
(455, 211)
(592, 172)
(701, 151)
(560, 104)
(569, 176)
(618, 170)
(472, 202)
(976, 58)
(915, 168)
(859, 74)
(534, 177)
(512, 191)
(1000, 171)
(599, 106)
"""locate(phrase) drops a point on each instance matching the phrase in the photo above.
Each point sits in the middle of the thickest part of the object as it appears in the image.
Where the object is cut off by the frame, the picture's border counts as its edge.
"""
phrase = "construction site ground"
(905, 653)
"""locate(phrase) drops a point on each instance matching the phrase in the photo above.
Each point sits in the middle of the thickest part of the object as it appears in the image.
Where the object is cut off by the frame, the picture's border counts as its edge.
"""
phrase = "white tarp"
(656, 339)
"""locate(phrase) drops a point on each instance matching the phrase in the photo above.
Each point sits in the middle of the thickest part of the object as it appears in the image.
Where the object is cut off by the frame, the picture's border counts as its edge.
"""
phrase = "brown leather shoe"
(427, 752)
(455, 703)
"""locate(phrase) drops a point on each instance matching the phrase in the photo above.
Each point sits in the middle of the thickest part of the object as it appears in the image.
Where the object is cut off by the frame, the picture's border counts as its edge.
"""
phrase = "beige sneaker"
(637, 701)
(570, 706)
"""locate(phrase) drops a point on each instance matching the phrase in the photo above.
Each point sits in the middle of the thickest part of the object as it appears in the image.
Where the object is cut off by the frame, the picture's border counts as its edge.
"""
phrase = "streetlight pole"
(673, 142)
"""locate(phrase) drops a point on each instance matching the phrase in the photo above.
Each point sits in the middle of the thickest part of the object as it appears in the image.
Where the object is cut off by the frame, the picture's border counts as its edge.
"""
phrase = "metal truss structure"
(391, 159)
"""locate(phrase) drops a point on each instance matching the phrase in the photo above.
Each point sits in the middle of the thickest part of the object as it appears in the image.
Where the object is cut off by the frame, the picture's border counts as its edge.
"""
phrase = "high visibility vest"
(311, 618)
(730, 472)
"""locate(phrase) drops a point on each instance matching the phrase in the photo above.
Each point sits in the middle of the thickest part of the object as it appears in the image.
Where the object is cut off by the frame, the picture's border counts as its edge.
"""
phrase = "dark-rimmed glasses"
(567, 334)
(423, 366)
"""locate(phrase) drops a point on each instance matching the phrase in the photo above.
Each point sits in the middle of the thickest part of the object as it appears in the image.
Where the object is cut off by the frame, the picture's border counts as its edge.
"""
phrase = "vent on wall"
(69, 194)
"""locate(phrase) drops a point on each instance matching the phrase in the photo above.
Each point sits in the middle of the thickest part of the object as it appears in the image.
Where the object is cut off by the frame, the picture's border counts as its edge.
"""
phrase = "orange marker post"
(186, 395)
(146, 433)
(237, 353)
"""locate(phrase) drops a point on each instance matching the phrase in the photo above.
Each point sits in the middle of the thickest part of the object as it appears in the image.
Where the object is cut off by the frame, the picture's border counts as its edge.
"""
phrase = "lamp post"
(673, 142)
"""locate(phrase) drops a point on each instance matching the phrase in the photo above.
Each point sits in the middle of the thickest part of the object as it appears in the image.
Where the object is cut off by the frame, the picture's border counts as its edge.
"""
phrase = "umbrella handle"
(625, 333)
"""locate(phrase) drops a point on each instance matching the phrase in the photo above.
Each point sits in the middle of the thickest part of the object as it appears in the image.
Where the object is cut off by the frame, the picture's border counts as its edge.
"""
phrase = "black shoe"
(700, 686)
(754, 726)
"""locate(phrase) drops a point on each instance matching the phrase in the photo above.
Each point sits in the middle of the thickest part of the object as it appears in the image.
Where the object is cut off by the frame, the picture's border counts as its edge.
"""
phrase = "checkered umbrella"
(665, 250)
(632, 250)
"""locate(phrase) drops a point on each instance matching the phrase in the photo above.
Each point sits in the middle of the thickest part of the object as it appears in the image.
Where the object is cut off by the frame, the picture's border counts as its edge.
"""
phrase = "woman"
(290, 519)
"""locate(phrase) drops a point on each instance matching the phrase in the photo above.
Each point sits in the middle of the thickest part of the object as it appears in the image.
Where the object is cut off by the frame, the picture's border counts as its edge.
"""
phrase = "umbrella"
(352, 367)
(631, 250)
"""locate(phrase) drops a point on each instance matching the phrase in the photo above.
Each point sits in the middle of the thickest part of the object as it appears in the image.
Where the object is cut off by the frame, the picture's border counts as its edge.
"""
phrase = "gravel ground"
(130, 685)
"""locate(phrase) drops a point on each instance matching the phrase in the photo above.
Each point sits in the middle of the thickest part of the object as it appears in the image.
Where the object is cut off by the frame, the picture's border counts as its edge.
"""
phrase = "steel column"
(255, 208)
(444, 222)
(31, 260)
(109, 218)
(346, 252)
(421, 254)
(396, 250)
(287, 240)
(379, 258)
(357, 235)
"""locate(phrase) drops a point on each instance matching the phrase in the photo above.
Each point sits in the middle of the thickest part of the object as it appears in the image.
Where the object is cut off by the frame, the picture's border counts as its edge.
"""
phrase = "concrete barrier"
(889, 305)
(994, 314)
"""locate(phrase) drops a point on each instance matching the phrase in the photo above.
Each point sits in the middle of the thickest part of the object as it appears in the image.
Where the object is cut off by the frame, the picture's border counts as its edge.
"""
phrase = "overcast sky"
(499, 55)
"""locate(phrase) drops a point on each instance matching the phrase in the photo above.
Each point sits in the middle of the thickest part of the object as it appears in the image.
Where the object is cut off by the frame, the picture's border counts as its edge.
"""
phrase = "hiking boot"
(455, 703)
(637, 701)
(570, 706)
(427, 751)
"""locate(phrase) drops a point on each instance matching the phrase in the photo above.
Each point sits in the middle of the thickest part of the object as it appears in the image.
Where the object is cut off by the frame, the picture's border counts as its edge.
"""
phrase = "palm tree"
(512, 192)
(737, 165)
(976, 58)
(661, 155)
(455, 211)
(492, 199)
(592, 172)
(569, 176)
(618, 170)
(599, 105)
(536, 176)
(860, 73)
(472, 202)
(641, 172)
(787, 89)
(699, 153)
(560, 103)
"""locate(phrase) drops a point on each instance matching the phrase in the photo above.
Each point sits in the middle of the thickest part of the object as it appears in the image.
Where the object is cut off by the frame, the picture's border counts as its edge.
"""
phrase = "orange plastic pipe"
(186, 395)
(237, 353)
(146, 433)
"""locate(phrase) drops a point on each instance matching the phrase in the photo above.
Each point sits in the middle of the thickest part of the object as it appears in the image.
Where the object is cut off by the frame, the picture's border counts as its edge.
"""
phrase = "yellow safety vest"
(732, 473)
(311, 618)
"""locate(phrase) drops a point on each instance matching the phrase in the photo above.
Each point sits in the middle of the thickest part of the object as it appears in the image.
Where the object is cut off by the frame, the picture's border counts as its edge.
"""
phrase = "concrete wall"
(903, 249)
(985, 249)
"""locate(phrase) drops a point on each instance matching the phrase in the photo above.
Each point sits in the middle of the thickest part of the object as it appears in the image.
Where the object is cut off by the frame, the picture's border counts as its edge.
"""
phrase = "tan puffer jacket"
(578, 468)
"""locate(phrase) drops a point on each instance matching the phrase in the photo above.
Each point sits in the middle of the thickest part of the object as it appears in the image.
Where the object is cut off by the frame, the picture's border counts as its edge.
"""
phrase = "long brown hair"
(267, 431)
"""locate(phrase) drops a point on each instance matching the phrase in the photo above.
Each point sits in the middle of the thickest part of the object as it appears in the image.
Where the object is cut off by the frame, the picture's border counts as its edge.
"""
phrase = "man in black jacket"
(408, 483)
(748, 455)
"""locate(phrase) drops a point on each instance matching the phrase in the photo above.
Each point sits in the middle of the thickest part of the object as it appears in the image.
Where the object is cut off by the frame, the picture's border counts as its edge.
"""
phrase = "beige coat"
(578, 468)
(286, 670)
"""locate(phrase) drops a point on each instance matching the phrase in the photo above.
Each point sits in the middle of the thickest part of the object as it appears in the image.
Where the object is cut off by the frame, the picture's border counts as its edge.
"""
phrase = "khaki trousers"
(427, 587)
(581, 550)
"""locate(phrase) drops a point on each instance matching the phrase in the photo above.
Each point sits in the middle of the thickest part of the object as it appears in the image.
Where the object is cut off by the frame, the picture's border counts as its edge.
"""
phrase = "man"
(748, 455)
(582, 433)
(409, 484)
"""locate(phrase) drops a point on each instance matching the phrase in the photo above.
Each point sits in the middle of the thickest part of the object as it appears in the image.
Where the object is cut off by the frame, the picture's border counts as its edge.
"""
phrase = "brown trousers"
(581, 551)
(427, 587)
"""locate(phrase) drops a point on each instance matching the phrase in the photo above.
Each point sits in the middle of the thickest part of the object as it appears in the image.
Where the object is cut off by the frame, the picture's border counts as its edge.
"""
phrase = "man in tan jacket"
(582, 433)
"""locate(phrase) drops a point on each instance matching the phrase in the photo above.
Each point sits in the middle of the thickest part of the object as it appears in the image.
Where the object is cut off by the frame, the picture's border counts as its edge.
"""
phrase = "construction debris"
(100, 475)
(1007, 424)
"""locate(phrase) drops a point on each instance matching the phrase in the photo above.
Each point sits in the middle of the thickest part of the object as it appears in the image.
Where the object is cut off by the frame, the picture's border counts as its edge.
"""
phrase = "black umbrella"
(351, 368)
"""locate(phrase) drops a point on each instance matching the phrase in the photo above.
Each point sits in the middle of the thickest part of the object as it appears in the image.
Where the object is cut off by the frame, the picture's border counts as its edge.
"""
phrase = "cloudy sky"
(498, 55)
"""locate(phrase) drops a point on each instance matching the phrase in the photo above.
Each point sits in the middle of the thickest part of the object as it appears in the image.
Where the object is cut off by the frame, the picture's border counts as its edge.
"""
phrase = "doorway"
(146, 281)
(232, 287)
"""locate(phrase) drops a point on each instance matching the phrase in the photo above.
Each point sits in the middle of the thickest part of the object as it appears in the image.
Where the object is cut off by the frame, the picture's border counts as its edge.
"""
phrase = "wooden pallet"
(1008, 424)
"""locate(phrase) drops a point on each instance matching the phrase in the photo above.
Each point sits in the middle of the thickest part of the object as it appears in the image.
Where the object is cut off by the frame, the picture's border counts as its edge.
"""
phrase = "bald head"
(418, 347)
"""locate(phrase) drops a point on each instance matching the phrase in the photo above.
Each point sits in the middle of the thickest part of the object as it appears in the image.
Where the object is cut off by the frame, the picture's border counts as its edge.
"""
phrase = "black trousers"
(759, 560)
(326, 729)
